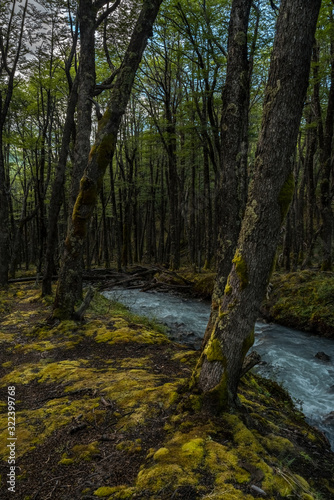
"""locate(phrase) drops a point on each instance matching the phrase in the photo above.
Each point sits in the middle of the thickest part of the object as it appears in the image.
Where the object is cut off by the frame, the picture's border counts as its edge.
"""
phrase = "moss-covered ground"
(103, 411)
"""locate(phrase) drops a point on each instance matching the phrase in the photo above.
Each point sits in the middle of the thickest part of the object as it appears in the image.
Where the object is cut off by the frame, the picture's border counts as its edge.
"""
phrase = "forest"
(159, 200)
(189, 137)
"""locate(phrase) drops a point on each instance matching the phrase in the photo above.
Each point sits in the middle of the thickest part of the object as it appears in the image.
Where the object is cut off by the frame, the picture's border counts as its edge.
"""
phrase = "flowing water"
(288, 355)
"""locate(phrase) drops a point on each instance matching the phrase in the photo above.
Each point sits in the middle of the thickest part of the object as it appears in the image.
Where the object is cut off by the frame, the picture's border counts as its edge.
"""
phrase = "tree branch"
(106, 84)
(107, 12)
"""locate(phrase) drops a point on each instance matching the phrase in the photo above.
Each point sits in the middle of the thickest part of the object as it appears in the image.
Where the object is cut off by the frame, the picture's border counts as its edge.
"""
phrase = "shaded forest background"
(159, 201)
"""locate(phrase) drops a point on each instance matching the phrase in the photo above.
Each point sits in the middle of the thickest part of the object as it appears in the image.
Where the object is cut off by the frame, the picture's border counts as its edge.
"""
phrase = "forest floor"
(102, 411)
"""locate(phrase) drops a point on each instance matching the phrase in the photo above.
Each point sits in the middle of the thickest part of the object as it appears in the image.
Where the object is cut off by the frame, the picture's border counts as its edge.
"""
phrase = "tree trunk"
(326, 177)
(99, 158)
(234, 151)
(173, 191)
(311, 148)
(117, 225)
(207, 209)
(218, 371)
(6, 93)
(4, 220)
(57, 190)
(86, 86)
(105, 230)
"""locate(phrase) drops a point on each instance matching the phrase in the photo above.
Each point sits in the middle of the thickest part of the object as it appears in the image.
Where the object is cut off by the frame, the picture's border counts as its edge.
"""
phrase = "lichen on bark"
(241, 268)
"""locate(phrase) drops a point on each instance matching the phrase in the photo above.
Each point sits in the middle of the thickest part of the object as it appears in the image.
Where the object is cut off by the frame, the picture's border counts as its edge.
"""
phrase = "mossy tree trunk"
(218, 371)
(233, 152)
(99, 158)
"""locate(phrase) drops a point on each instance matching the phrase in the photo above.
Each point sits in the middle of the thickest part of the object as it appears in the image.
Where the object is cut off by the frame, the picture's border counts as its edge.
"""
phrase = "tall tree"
(218, 371)
(58, 184)
(234, 149)
(99, 158)
(9, 58)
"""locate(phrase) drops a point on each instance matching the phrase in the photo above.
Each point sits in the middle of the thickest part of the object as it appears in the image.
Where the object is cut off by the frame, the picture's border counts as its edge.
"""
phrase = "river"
(288, 355)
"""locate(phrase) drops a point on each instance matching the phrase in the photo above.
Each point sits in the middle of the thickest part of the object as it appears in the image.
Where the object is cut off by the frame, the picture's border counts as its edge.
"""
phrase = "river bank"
(103, 412)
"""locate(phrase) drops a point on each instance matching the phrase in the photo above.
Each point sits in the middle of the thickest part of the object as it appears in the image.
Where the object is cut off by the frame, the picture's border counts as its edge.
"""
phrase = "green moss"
(213, 350)
(160, 454)
(175, 464)
(243, 436)
(194, 450)
(66, 461)
(277, 444)
(164, 476)
(130, 446)
(281, 484)
(7, 364)
(104, 491)
(195, 402)
(37, 425)
(228, 493)
(211, 457)
(203, 283)
(6, 337)
(240, 38)
(104, 121)
(218, 396)
(85, 452)
(103, 152)
(127, 334)
(241, 269)
(120, 492)
(286, 194)
(228, 288)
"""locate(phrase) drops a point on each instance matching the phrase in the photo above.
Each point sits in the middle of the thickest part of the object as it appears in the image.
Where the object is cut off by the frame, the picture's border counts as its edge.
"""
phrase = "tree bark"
(218, 371)
(99, 158)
